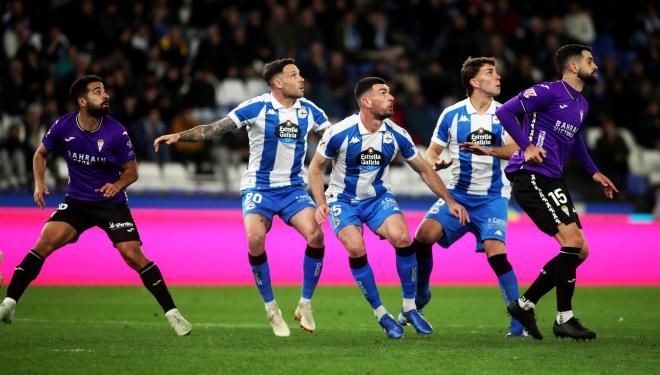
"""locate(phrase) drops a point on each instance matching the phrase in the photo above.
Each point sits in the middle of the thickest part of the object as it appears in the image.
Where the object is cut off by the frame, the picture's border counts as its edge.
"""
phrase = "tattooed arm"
(198, 133)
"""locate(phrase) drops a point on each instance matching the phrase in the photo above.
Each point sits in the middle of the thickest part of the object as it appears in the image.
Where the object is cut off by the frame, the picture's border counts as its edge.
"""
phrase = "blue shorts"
(285, 202)
(372, 211)
(488, 218)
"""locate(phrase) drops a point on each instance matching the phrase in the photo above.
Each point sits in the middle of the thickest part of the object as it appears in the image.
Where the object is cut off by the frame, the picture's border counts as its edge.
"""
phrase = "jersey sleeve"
(406, 145)
(52, 137)
(321, 121)
(329, 145)
(124, 148)
(536, 98)
(441, 132)
(246, 113)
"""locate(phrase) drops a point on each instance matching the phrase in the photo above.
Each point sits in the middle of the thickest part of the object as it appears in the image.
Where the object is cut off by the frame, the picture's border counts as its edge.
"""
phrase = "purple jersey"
(552, 114)
(93, 158)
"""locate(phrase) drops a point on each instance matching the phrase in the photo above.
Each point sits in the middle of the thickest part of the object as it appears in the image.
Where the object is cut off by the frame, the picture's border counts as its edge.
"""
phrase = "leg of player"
(395, 230)
(506, 277)
(428, 233)
(351, 237)
(305, 224)
(256, 227)
(571, 239)
(153, 280)
(54, 235)
(545, 281)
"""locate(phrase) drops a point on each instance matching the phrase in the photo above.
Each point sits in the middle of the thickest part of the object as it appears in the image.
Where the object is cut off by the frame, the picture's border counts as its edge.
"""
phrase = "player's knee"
(133, 256)
(428, 236)
(355, 250)
(401, 239)
(315, 238)
(256, 242)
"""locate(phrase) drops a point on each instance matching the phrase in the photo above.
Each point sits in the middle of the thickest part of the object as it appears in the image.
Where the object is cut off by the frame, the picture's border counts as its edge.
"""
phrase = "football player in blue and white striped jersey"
(277, 124)
(361, 147)
(477, 144)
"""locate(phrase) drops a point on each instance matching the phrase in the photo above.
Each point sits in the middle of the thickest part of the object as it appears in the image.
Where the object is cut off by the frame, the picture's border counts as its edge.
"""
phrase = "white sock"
(564, 316)
(9, 301)
(526, 304)
(304, 300)
(408, 304)
(271, 304)
(380, 311)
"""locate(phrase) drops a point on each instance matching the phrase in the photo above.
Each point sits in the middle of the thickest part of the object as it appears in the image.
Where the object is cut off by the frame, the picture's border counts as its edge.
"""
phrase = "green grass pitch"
(120, 330)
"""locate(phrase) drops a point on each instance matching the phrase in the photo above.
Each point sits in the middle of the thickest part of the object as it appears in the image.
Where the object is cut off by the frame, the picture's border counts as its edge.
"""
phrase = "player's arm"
(430, 178)
(508, 115)
(501, 152)
(129, 174)
(198, 133)
(433, 156)
(315, 172)
(580, 153)
(39, 171)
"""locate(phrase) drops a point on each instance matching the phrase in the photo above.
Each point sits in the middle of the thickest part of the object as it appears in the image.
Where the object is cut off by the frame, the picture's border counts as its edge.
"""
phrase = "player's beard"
(99, 111)
(589, 79)
(382, 116)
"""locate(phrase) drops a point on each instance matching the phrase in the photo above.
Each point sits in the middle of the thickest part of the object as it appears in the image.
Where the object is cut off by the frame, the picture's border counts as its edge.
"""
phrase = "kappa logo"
(463, 118)
(69, 139)
(499, 232)
(562, 106)
(271, 112)
(354, 140)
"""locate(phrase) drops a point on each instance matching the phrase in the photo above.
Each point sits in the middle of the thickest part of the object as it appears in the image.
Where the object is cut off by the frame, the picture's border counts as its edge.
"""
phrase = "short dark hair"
(79, 86)
(365, 84)
(566, 52)
(275, 67)
(470, 69)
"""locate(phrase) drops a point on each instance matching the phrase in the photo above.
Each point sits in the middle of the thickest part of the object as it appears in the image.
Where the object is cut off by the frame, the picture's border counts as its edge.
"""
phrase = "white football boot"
(303, 314)
(280, 328)
(181, 326)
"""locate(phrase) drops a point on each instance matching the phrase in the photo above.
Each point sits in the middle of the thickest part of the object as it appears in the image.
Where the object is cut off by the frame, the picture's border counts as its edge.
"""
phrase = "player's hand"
(39, 190)
(321, 213)
(441, 164)
(167, 139)
(534, 155)
(457, 210)
(608, 187)
(474, 148)
(108, 190)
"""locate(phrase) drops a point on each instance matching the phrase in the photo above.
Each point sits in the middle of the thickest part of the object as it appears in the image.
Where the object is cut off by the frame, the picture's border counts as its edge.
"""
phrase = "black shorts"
(546, 200)
(114, 218)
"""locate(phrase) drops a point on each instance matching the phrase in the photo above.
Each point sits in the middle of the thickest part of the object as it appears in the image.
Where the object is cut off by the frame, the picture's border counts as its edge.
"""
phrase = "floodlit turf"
(120, 330)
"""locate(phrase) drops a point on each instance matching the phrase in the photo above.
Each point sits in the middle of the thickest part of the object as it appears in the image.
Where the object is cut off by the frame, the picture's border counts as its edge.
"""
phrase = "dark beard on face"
(381, 116)
(99, 111)
(588, 78)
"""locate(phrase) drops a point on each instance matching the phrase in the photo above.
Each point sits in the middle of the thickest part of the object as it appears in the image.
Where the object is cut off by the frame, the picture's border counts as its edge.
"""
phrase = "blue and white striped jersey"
(361, 159)
(473, 174)
(278, 140)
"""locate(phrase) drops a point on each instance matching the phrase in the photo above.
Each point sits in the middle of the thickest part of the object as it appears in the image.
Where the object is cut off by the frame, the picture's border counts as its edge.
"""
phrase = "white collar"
(471, 110)
(277, 105)
(363, 129)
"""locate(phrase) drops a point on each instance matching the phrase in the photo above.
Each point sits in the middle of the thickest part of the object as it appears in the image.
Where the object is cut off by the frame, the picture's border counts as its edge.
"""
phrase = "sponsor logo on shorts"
(127, 224)
(249, 206)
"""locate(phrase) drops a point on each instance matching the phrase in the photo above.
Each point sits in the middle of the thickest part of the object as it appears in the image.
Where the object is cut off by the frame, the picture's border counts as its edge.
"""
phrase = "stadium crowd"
(170, 65)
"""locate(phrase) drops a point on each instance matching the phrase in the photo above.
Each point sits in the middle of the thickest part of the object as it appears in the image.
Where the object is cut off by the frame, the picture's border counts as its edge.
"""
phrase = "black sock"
(153, 281)
(404, 251)
(357, 263)
(545, 281)
(316, 253)
(567, 263)
(259, 259)
(422, 251)
(500, 264)
(24, 274)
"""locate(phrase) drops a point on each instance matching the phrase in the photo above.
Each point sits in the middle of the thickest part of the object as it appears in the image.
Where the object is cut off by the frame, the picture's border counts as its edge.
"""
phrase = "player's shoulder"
(114, 126)
(541, 89)
(397, 130)
(455, 108)
(259, 99)
(68, 119)
(310, 105)
(343, 125)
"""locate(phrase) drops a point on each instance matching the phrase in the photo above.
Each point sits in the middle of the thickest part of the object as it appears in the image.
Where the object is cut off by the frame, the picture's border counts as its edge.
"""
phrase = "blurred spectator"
(151, 127)
(14, 154)
(611, 154)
